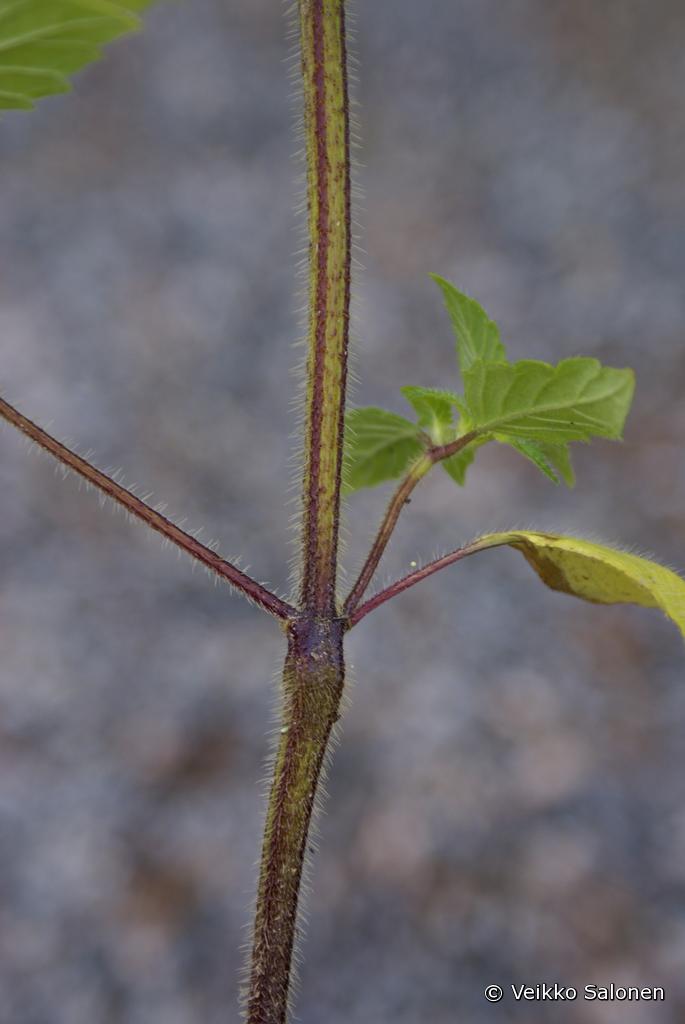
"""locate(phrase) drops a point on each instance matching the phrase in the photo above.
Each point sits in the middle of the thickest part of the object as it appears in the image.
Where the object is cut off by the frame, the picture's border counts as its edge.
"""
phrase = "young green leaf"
(379, 445)
(456, 465)
(434, 409)
(477, 335)
(573, 401)
(42, 42)
(596, 573)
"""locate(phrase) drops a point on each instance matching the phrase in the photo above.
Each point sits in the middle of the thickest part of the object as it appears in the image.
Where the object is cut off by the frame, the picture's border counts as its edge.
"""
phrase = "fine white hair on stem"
(301, 257)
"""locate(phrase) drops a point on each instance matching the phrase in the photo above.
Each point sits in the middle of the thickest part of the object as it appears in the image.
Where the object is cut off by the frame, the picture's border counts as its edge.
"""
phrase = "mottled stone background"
(507, 803)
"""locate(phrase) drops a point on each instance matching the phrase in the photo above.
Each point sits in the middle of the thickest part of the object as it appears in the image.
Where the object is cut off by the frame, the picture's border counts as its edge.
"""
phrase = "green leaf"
(549, 458)
(434, 409)
(379, 445)
(534, 401)
(430, 404)
(457, 465)
(559, 456)
(532, 451)
(596, 573)
(477, 335)
(42, 42)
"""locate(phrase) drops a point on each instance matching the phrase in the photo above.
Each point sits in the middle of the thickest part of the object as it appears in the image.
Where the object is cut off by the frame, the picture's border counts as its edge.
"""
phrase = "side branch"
(150, 516)
(412, 578)
(385, 531)
(397, 503)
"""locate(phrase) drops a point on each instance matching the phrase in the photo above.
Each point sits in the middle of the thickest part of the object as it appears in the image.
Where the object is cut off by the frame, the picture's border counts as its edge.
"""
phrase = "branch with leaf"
(536, 409)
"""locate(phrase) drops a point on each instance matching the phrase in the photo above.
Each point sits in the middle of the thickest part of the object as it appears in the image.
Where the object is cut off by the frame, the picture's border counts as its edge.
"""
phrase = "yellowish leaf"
(596, 573)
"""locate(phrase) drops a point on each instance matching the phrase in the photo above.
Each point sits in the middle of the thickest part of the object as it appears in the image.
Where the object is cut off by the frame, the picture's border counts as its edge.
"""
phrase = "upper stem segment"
(326, 123)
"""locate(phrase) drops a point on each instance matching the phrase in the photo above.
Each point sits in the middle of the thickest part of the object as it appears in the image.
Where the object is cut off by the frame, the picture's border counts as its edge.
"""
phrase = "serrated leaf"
(549, 458)
(379, 445)
(596, 573)
(533, 452)
(477, 335)
(43, 42)
(559, 457)
(573, 401)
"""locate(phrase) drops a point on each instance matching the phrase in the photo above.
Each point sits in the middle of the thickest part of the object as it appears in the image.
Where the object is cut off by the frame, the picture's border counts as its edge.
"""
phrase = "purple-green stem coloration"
(314, 672)
(421, 467)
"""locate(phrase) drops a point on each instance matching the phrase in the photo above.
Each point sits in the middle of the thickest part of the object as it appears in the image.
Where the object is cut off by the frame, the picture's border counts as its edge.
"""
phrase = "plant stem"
(415, 577)
(313, 675)
(399, 499)
(326, 125)
(313, 679)
(148, 515)
(385, 530)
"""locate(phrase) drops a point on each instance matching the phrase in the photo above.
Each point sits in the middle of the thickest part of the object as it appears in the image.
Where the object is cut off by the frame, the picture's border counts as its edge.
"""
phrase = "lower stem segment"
(313, 679)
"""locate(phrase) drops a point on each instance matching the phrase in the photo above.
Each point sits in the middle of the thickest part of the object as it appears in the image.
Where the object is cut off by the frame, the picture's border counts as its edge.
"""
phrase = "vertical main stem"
(326, 124)
(314, 673)
(313, 679)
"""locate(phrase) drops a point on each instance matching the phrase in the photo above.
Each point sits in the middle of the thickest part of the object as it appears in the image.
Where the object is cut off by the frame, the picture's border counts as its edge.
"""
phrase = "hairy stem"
(399, 499)
(313, 675)
(150, 516)
(313, 680)
(385, 530)
(412, 578)
(326, 124)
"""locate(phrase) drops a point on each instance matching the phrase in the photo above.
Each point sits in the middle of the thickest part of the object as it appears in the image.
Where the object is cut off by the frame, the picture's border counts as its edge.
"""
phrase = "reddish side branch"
(421, 467)
(155, 520)
(411, 580)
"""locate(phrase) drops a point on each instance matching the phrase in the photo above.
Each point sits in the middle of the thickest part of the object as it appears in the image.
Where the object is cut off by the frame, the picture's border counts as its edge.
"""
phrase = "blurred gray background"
(507, 802)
